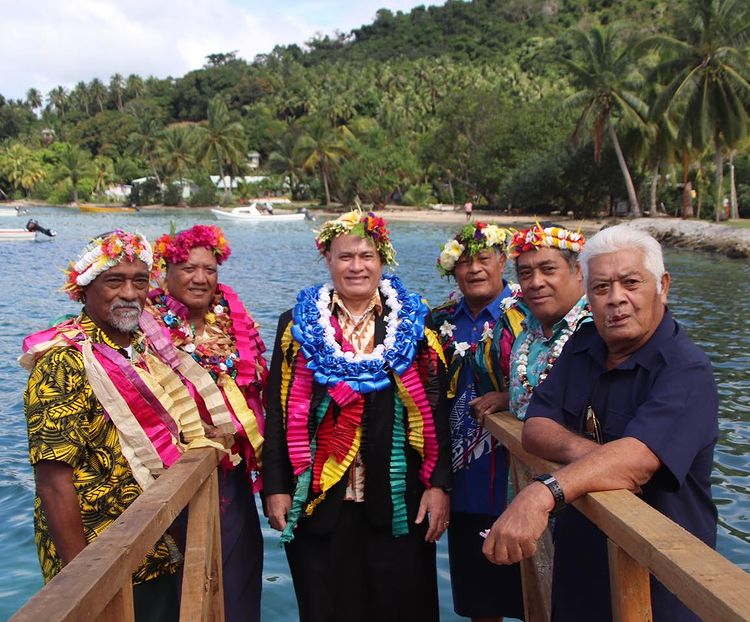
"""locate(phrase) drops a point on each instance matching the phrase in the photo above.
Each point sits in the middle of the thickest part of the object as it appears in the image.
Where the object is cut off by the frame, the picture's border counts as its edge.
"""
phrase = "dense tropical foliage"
(531, 105)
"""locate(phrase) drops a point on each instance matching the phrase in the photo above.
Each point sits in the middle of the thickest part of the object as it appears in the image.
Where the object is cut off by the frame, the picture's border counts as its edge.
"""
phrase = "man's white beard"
(127, 322)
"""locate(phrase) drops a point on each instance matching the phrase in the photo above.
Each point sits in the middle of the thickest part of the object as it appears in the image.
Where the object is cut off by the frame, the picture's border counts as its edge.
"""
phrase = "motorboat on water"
(12, 210)
(251, 213)
(106, 209)
(33, 232)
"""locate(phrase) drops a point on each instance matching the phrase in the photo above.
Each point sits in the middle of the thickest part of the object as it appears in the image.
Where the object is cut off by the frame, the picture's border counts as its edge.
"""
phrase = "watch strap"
(550, 481)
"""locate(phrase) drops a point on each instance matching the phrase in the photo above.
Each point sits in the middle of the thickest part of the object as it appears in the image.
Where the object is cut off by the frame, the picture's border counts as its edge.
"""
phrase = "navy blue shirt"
(665, 396)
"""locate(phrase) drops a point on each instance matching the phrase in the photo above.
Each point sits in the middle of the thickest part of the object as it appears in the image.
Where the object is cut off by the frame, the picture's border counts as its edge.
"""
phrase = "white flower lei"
(392, 322)
(523, 358)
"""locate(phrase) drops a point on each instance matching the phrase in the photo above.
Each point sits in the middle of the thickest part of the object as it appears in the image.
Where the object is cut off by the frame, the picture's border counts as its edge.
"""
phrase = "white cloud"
(46, 43)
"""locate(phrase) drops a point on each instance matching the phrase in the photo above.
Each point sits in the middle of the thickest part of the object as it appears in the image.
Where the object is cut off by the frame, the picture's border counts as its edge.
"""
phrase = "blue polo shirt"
(665, 396)
(474, 489)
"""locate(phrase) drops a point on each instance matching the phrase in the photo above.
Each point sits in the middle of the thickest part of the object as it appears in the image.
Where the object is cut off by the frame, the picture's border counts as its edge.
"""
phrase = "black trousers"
(359, 573)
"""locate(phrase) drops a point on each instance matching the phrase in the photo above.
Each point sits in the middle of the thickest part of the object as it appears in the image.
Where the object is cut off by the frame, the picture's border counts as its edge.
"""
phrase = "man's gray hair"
(620, 238)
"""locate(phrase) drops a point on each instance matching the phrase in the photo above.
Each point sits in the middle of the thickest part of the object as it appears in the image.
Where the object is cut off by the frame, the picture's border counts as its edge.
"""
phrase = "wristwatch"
(553, 485)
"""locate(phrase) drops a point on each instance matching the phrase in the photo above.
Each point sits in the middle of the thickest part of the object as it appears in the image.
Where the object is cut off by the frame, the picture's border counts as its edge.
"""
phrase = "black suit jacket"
(375, 447)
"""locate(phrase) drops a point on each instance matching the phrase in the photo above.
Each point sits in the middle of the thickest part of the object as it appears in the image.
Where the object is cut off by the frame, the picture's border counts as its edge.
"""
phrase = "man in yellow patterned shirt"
(83, 479)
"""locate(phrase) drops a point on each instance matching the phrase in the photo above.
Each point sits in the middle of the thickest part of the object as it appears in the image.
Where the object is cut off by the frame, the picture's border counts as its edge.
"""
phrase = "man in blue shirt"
(477, 330)
(631, 403)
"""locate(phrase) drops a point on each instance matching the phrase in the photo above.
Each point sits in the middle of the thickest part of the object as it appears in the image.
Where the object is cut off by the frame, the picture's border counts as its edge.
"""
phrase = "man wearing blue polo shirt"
(631, 403)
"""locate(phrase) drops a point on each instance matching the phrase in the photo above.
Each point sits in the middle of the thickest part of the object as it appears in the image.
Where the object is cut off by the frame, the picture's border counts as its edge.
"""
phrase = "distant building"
(253, 159)
(232, 182)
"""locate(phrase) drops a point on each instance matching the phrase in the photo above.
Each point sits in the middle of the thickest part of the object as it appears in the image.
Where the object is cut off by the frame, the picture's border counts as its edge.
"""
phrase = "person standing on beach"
(477, 329)
(356, 463)
(226, 373)
(631, 403)
(102, 417)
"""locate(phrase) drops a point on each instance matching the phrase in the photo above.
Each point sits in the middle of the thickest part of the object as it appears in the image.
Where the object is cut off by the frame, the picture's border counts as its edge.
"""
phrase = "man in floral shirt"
(477, 330)
(550, 279)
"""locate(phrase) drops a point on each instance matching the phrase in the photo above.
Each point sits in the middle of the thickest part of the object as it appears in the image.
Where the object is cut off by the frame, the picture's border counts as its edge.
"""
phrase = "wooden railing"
(96, 585)
(642, 541)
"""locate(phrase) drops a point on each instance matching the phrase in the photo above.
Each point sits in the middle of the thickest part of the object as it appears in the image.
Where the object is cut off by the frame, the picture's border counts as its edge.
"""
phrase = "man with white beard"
(103, 418)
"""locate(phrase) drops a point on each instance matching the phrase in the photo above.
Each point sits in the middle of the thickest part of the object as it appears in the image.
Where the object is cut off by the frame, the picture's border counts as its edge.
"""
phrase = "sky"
(45, 43)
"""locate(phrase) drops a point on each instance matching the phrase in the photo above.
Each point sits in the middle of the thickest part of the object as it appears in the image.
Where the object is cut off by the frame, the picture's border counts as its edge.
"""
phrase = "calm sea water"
(269, 264)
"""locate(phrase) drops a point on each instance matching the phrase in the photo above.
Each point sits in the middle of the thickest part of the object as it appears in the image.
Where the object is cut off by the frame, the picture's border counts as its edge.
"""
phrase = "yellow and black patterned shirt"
(67, 423)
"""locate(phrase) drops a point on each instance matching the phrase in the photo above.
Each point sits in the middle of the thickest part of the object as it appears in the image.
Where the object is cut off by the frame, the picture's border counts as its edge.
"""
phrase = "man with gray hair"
(630, 404)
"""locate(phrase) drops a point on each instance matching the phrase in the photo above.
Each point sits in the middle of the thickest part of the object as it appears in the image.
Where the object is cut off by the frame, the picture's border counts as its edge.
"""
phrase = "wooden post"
(536, 572)
(630, 587)
(202, 589)
(120, 608)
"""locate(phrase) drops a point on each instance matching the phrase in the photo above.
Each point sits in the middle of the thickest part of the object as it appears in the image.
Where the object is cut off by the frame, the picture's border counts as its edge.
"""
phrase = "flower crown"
(172, 249)
(537, 237)
(101, 254)
(472, 239)
(363, 224)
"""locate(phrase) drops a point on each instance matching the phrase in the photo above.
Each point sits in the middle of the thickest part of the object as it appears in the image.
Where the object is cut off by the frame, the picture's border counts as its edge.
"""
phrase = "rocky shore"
(697, 235)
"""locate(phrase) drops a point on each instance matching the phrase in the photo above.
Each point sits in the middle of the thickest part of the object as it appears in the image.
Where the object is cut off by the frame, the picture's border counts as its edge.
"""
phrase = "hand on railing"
(514, 534)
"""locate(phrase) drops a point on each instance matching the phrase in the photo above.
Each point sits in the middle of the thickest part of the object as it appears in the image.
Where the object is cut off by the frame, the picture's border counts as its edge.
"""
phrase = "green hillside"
(472, 100)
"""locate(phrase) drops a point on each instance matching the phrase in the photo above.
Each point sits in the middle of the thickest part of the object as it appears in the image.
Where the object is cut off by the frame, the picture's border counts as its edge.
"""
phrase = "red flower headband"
(175, 249)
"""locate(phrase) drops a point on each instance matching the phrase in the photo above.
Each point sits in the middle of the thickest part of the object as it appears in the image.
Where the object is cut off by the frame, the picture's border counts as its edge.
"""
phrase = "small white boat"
(250, 213)
(22, 235)
(11, 210)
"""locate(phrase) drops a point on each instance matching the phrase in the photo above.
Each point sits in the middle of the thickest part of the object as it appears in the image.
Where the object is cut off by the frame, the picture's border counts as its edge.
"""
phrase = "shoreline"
(696, 235)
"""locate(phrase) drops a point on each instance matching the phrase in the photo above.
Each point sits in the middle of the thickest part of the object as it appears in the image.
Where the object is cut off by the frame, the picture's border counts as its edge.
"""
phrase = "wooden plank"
(709, 584)
(713, 587)
(630, 587)
(98, 572)
(536, 572)
(201, 575)
(120, 608)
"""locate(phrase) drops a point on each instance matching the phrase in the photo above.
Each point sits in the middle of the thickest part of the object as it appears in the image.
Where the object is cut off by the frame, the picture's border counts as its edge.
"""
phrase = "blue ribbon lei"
(366, 376)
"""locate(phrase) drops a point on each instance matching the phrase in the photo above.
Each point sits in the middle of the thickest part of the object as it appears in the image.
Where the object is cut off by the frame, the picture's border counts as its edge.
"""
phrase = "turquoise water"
(269, 264)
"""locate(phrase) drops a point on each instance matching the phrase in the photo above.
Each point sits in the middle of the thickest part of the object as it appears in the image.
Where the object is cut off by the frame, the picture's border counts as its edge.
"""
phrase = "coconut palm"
(707, 77)
(220, 142)
(144, 142)
(134, 86)
(57, 100)
(116, 89)
(21, 168)
(103, 170)
(607, 86)
(80, 97)
(286, 160)
(34, 99)
(98, 92)
(75, 164)
(321, 149)
(177, 149)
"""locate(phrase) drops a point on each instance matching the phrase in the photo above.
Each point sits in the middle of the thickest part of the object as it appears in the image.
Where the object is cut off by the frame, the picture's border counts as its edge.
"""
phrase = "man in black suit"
(356, 459)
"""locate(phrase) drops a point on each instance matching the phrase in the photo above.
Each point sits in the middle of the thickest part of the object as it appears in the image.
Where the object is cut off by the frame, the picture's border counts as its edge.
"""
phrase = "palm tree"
(321, 148)
(134, 86)
(116, 88)
(57, 99)
(98, 92)
(80, 96)
(608, 86)
(34, 99)
(220, 142)
(103, 173)
(707, 78)
(286, 160)
(144, 142)
(177, 151)
(21, 168)
(75, 163)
